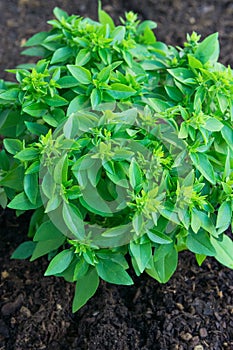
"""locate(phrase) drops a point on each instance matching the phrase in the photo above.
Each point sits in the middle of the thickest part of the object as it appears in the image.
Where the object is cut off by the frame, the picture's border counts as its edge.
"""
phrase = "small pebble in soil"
(195, 340)
(218, 317)
(203, 332)
(25, 311)
(192, 20)
(4, 274)
(180, 306)
(186, 336)
(13, 321)
(198, 347)
(59, 307)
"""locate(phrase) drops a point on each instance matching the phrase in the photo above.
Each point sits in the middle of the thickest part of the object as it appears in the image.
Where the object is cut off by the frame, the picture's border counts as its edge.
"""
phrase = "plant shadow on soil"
(194, 308)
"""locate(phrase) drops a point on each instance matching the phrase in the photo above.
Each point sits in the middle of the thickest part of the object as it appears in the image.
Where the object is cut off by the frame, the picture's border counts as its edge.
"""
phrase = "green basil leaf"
(200, 243)
(113, 237)
(224, 215)
(13, 146)
(183, 75)
(55, 101)
(208, 49)
(95, 98)
(85, 288)
(24, 250)
(3, 198)
(53, 203)
(105, 19)
(82, 74)
(31, 187)
(121, 91)
(45, 247)
(83, 57)
(81, 268)
(14, 178)
(113, 273)
(135, 175)
(195, 221)
(21, 202)
(36, 129)
(158, 237)
(223, 102)
(73, 220)
(138, 223)
(202, 163)
(36, 109)
(61, 55)
(47, 231)
(10, 95)
(118, 35)
(37, 51)
(60, 262)
(224, 249)
(213, 124)
(67, 82)
(27, 154)
(36, 39)
(77, 104)
(60, 14)
(5, 160)
(205, 221)
(174, 93)
(61, 170)
(227, 134)
(200, 258)
(142, 254)
(164, 264)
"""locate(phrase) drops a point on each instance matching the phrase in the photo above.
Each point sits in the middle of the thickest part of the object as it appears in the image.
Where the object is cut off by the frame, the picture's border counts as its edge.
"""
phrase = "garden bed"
(195, 308)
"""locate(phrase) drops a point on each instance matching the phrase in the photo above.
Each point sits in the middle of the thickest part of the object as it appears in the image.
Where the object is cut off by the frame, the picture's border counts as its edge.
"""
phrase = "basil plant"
(122, 149)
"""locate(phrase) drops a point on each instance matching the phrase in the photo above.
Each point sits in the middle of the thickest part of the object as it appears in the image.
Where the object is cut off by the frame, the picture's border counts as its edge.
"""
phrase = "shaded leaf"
(224, 249)
(200, 243)
(113, 272)
(85, 288)
(24, 250)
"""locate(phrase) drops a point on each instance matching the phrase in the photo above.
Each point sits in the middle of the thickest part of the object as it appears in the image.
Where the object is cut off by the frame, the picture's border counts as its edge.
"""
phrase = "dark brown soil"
(194, 310)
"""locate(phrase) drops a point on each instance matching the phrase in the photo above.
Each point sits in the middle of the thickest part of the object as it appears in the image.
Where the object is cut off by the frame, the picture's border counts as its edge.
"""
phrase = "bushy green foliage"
(121, 145)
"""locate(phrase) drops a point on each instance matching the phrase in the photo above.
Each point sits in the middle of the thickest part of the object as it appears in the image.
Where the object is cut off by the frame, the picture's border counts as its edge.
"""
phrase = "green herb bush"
(121, 146)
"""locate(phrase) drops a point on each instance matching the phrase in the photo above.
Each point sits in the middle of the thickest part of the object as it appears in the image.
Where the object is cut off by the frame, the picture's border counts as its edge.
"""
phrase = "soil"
(194, 310)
